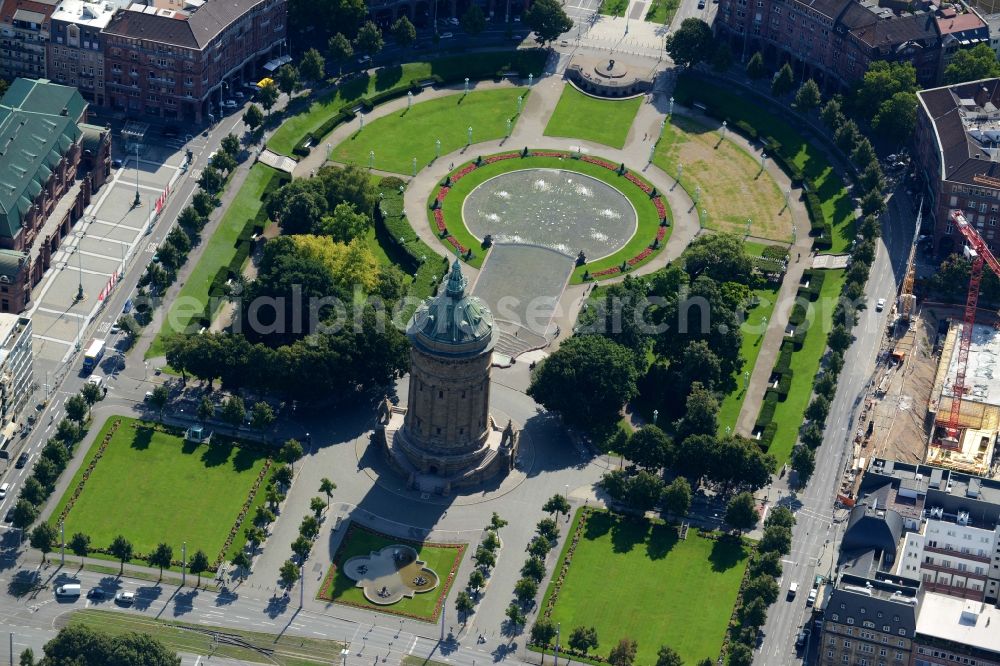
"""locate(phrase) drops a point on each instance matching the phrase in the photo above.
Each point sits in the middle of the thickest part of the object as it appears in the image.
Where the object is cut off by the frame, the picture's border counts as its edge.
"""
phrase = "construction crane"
(907, 301)
(976, 250)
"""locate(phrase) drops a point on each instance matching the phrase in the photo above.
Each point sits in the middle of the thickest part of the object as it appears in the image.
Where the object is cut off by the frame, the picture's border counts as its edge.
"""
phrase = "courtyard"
(143, 481)
(652, 586)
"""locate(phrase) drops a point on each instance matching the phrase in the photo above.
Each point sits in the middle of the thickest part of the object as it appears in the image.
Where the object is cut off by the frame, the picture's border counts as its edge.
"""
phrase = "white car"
(231, 104)
(880, 305)
(447, 35)
(125, 598)
(96, 380)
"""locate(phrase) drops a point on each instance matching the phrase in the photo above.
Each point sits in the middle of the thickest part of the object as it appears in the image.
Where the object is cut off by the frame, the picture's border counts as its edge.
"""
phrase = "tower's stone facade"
(445, 436)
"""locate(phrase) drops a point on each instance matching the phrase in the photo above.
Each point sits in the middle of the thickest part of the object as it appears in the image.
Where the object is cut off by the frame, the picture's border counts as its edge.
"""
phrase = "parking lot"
(111, 235)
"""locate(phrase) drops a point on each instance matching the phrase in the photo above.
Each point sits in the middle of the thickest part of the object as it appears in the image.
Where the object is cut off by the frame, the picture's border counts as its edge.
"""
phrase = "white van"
(68, 590)
(792, 589)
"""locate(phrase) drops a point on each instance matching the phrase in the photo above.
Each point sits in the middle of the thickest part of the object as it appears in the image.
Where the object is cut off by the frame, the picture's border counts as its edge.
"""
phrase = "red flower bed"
(641, 256)
(549, 153)
(661, 233)
(503, 156)
(439, 220)
(599, 162)
(638, 181)
(661, 209)
(607, 271)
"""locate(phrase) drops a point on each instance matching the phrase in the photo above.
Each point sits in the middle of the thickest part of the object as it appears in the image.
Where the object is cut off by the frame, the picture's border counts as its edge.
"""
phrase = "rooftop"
(961, 621)
(193, 27)
(453, 323)
(966, 123)
(83, 12)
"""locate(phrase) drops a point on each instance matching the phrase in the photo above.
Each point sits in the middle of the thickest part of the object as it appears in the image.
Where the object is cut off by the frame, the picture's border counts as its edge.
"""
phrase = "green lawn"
(727, 180)
(600, 120)
(837, 205)
(152, 487)
(399, 137)
(219, 251)
(633, 578)
(648, 220)
(308, 114)
(443, 559)
(613, 7)
(662, 11)
(805, 365)
(284, 649)
(729, 410)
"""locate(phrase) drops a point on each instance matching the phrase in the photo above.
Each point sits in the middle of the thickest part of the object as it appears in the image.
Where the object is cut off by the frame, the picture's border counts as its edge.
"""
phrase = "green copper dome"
(453, 323)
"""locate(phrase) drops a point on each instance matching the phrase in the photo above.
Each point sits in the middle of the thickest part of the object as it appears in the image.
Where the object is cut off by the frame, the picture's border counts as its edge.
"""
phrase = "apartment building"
(24, 35)
(834, 41)
(75, 49)
(957, 144)
(182, 63)
(955, 631)
(51, 163)
(869, 622)
(16, 376)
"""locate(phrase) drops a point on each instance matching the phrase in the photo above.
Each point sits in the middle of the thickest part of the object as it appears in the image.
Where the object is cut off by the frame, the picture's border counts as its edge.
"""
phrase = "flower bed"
(464, 170)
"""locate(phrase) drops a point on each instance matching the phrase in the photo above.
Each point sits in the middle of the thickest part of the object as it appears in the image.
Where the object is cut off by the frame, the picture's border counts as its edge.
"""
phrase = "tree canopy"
(547, 19)
(691, 43)
(78, 645)
(979, 62)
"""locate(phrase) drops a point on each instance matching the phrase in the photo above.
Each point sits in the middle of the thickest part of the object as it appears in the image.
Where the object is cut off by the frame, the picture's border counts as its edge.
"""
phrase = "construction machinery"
(907, 301)
(979, 253)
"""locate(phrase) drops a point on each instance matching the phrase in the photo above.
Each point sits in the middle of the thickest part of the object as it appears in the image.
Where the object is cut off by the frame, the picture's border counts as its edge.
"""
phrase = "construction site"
(935, 396)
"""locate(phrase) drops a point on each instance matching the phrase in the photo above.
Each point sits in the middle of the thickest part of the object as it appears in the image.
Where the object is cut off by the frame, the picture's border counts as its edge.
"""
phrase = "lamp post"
(671, 106)
(437, 148)
(79, 264)
(329, 149)
(62, 542)
(361, 117)
(697, 194)
(724, 127)
(531, 79)
(302, 584)
(468, 136)
(746, 379)
(371, 159)
(184, 559)
(466, 85)
(656, 413)
(414, 167)
(763, 160)
(409, 100)
(749, 222)
(652, 151)
(558, 625)
(680, 170)
(509, 125)
(520, 101)
(137, 202)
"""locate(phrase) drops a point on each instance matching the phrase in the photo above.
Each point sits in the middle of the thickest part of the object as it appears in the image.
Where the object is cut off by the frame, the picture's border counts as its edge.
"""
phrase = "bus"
(93, 355)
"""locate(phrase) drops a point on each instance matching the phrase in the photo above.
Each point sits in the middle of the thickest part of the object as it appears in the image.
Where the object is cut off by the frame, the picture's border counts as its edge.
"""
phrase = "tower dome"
(453, 323)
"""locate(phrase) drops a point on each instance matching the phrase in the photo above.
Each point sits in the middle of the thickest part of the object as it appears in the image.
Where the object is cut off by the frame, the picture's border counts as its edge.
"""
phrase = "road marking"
(412, 645)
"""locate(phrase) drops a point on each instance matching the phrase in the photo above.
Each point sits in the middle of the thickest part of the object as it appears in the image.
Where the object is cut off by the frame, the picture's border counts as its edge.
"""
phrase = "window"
(440, 394)
(847, 644)
(835, 617)
(886, 627)
(850, 620)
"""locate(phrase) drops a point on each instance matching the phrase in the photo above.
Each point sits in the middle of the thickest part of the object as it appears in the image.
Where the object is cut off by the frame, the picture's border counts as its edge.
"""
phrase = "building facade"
(445, 437)
(75, 53)
(182, 63)
(16, 377)
(24, 35)
(52, 163)
(869, 622)
(835, 41)
(955, 631)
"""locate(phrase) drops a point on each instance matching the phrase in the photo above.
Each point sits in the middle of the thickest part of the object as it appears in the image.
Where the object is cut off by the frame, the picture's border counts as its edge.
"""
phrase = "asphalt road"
(815, 537)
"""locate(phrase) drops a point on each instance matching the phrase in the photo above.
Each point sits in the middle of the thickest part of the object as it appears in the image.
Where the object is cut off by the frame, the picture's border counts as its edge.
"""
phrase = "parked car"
(364, 60)
(169, 132)
(68, 590)
(802, 638)
(447, 35)
(701, 4)
(812, 597)
(231, 104)
(880, 305)
(116, 164)
(125, 598)
(22, 460)
(4, 487)
(96, 593)
(792, 589)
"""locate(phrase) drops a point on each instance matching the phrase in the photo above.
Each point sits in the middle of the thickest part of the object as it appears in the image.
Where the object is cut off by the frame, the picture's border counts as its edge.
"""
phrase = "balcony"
(954, 571)
(983, 559)
(954, 590)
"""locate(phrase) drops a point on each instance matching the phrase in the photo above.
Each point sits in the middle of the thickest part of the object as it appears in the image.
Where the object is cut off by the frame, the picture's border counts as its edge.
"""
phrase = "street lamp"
(466, 85)
(671, 106)
(680, 170)
(437, 148)
(79, 263)
(723, 129)
(361, 117)
(656, 413)
(409, 100)
(137, 202)
(468, 136)
(371, 159)
(414, 167)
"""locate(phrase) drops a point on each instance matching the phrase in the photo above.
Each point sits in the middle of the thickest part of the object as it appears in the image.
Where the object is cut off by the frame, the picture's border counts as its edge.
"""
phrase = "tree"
(121, 549)
(403, 32)
(369, 40)
(288, 575)
(326, 486)
(484, 557)
(242, 560)
(301, 547)
(897, 116)
(25, 513)
(784, 81)
(69, 432)
(253, 117)
(623, 654)
(287, 78)
(780, 516)
(312, 65)
(476, 579)
(542, 633)
(556, 504)
(872, 178)
(309, 527)
(344, 224)
(722, 257)
(691, 44)
(676, 497)
(231, 145)
(777, 539)
(27, 658)
(492, 541)
(863, 153)
(722, 58)
(44, 538)
(211, 180)
(255, 536)
(525, 590)
(700, 416)
(755, 66)
(754, 613)
(882, 80)
(847, 136)
(808, 96)
(317, 505)
(234, 411)
(340, 49)
(761, 587)
(666, 656)
(534, 568)
(547, 19)
(740, 655)
(818, 409)
(473, 21)
(496, 522)
(33, 491)
(46, 472)
(198, 564)
(161, 557)
(650, 448)
(268, 96)
(291, 451)
(261, 415)
(464, 605)
(972, 64)
(515, 615)
(590, 370)
(77, 408)
(741, 512)
(91, 393)
(832, 113)
(643, 491)
(79, 544)
(79, 645)
(583, 639)
(539, 546)
(206, 409)
(766, 564)
(283, 475)
(548, 528)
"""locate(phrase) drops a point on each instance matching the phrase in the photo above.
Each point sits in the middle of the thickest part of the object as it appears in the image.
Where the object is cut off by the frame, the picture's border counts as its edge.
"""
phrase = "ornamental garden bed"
(652, 212)
(442, 558)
